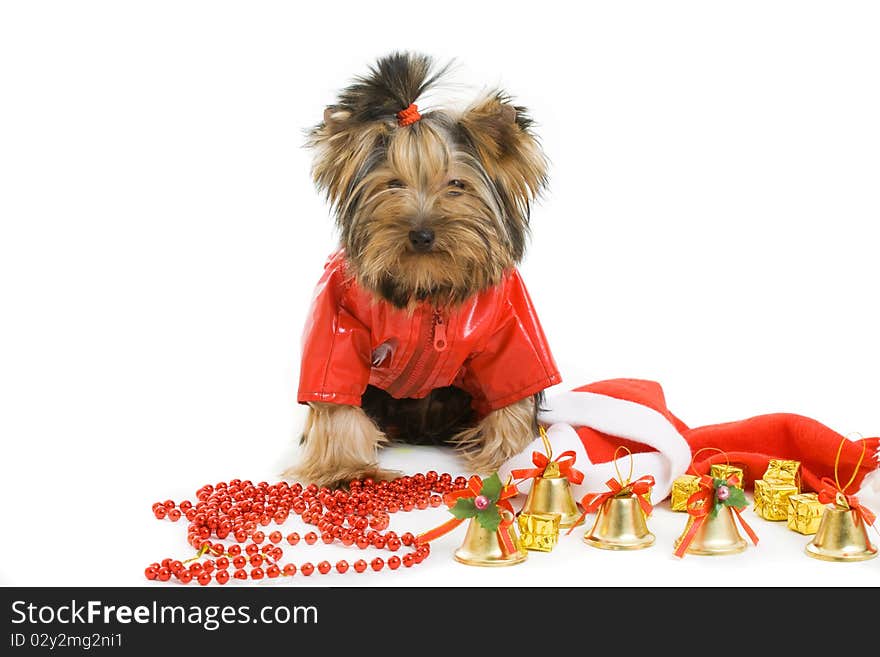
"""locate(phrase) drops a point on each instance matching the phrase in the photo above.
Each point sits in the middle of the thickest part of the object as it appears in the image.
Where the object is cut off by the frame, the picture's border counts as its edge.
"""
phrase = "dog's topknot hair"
(394, 82)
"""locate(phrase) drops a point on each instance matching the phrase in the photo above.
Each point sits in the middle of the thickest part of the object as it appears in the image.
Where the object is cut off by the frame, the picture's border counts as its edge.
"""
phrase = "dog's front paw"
(498, 437)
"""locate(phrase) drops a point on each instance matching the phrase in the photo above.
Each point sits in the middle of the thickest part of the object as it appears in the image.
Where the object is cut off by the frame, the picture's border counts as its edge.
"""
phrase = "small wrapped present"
(538, 531)
(805, 512)
(723, 471)
(682, 488)
(771, 499)
(784, 472)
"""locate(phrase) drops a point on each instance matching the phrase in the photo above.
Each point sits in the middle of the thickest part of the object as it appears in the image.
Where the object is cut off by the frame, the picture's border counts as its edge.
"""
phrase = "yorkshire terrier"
(421, 329)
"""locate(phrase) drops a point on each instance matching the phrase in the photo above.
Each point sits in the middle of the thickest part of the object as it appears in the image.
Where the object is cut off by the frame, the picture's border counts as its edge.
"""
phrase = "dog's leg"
(498, 436)
(339, 443)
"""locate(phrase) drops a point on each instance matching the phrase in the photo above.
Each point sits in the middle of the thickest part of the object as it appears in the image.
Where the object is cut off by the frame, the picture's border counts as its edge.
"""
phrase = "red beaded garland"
(234, 510)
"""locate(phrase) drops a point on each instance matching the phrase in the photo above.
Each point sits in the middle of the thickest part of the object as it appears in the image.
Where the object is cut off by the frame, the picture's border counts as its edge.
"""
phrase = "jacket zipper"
(432, 341)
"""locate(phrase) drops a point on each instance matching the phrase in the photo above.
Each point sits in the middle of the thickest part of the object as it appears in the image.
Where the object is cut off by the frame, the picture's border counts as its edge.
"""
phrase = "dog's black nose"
(422, 240)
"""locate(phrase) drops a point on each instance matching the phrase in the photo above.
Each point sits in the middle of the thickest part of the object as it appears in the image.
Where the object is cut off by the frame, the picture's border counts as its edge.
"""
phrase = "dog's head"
(432, 206)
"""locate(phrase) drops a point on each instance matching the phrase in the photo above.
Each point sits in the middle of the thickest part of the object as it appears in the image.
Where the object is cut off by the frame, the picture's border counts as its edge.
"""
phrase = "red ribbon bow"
(830, 493)
(701, 503)
(475, 484)
(565, 463)
(639, 488)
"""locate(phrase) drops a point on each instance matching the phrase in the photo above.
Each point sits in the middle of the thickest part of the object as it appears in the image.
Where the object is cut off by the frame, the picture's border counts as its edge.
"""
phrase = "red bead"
(362, 542)
(289, 570)
(233, 550)
(310, 538)
(341, 566)
(436, 500)
(185, 576)
(324, 567)
(205, 578)
(174, 515)
(394, 562)
(327, 538)
(293, 538)
(150, 572)
(347, 539)
(258, 537)
(273, 571)
(239, 561)
(251, 549)
(164, 574)
(408, 560)
(307, 568)
(378, 563)
(257, 573)
(393, 544)
(407, 539)
(379, 542)
(256, 560)
(360, 565)
(159, 512)
(222, 563)
(222, 577)
(275, 537)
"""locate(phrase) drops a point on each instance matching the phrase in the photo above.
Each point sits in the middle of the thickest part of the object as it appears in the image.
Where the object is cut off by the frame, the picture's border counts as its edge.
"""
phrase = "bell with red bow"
(491, 538)
(622, 509)
(551, 485)
(713, 513)
(843, 530)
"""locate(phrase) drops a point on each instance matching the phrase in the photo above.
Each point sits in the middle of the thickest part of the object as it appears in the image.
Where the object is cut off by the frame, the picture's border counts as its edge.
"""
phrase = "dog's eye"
(395, 184)
(455, 187)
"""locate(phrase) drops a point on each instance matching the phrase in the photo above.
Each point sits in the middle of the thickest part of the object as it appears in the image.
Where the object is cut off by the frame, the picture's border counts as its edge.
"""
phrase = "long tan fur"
(498, 436)
(340, 443)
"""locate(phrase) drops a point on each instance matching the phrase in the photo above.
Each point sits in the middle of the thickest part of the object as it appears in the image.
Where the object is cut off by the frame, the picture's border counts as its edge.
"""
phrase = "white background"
(711, 224)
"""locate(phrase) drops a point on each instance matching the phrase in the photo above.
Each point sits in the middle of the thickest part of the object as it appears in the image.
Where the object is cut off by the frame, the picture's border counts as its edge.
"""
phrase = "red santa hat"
(594, 420)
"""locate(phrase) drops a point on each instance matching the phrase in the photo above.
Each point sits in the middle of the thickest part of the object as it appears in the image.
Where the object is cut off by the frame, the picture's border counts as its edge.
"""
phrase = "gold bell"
(717, 536)
(553, 495)
(842, 536)
(551, 492)
(481, 547)
(620, 525)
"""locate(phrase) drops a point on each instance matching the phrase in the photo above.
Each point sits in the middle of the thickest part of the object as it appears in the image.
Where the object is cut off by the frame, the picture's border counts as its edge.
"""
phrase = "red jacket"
(492, 345)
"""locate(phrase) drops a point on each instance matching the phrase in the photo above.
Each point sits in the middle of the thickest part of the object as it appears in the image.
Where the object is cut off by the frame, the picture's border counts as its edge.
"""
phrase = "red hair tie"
(408, 116)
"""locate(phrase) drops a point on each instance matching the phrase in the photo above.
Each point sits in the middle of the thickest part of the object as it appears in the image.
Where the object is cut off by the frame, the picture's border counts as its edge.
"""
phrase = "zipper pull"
(439, 332)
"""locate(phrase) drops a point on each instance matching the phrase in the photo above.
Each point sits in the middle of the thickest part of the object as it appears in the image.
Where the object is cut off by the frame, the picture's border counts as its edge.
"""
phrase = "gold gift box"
(771, 499)
(805, 512)
(723, 471)
(538, 531)
(784, 472)
(682, 488)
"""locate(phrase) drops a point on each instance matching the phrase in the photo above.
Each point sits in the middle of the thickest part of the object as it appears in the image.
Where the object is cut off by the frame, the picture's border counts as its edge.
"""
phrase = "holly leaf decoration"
(716, 482)
(737, 498)
(492, 488)
(464, 508)
(489, 518)
(716, 508)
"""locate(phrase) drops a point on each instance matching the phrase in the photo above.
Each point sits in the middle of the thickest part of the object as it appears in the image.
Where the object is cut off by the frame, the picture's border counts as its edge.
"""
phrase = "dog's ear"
(345, 149)
(501, 136)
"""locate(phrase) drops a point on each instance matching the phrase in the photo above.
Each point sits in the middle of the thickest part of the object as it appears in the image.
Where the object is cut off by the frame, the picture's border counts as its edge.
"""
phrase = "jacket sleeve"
(516, 361)
(335, 362)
